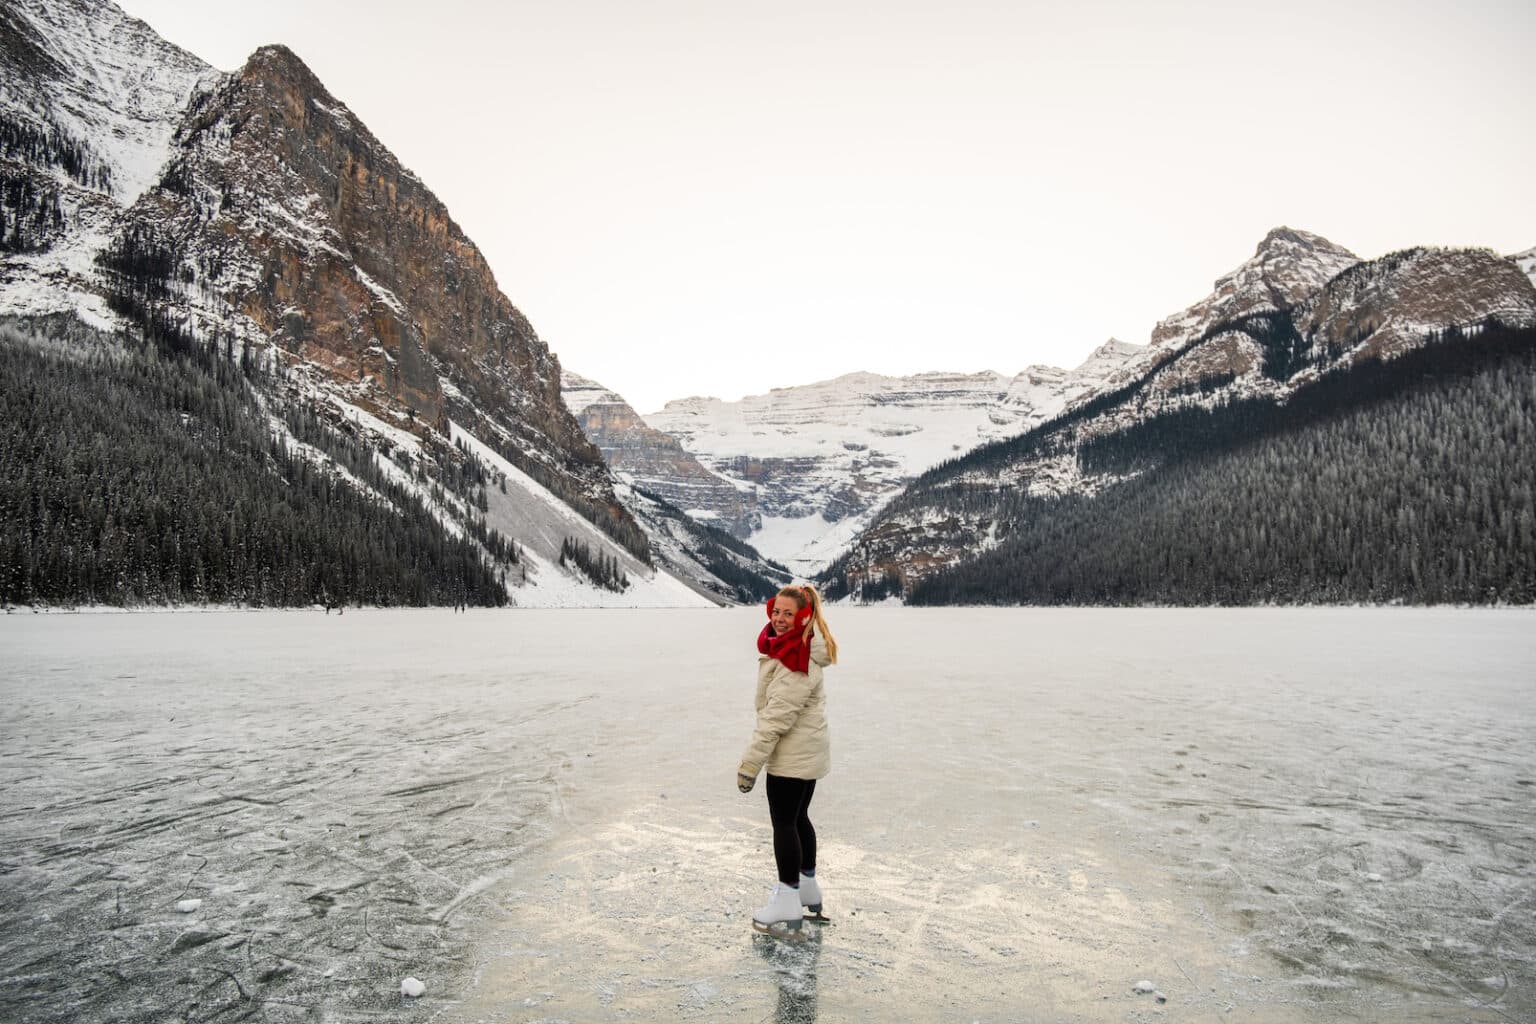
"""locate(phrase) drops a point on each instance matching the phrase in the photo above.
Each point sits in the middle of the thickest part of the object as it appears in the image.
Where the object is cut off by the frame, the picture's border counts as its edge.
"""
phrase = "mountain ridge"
(274, 231)
(1367, 312)
(821, 458)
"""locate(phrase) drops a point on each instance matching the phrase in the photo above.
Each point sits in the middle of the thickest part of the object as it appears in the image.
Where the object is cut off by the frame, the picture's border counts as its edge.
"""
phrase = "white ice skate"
(782, 916)
(810, 899)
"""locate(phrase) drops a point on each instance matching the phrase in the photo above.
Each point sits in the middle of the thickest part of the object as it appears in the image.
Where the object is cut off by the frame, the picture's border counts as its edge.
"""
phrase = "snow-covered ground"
(1270, 815)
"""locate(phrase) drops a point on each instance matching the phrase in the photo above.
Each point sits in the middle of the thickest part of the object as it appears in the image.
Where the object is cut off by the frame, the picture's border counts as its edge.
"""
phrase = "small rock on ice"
(1159, 997)
(1373, 877)
(187, 906)
(1141, 988)
(412, 987)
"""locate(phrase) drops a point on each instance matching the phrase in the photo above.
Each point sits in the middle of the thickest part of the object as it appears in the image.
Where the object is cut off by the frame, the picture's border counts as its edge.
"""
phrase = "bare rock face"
(655, 461)
(1386, 307)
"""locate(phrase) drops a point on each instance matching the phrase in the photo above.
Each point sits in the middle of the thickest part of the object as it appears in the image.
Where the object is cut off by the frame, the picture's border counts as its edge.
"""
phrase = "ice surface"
(535, 814)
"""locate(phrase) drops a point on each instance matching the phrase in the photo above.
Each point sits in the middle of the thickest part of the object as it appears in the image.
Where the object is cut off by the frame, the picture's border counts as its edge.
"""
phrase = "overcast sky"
(715, 197)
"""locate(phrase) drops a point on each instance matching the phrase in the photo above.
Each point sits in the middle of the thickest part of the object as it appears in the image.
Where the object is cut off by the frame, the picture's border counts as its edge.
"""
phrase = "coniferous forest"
(603, 570)
(134, 474)
(1407, 481)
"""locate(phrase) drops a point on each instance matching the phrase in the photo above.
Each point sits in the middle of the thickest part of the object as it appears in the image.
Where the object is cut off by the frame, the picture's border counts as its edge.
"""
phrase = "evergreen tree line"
(747, 586)
(607, 515)
(1443, 356)
(468, 477)
(609, 518)
(604, 570)
(30, 215)
(52, 148)
(715, 547)
(853, 575)
(465, 477)
(1410, 480)
(139, 267)
(127, 477)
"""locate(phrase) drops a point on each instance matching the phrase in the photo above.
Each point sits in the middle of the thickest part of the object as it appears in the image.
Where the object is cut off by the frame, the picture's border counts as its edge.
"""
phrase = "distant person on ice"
(791, 740)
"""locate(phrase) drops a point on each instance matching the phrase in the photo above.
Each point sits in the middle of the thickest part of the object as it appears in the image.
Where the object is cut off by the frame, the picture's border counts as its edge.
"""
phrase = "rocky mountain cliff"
(816, 461)
(1287, 266)
(658, 480)
(656, 461)
(1298, 313)
(282, 218)
(253, 216)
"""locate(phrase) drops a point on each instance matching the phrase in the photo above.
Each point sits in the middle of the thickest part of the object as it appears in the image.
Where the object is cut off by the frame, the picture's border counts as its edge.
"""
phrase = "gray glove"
(745, 782)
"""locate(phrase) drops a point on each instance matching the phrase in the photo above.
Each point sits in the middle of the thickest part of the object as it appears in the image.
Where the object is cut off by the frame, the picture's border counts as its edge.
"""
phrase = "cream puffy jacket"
(791, 738)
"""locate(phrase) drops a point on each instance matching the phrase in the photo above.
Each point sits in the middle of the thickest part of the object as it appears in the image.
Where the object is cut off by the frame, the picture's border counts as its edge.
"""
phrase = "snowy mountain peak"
(98, 78)
(1108, 357)
(1287, 267)
(819, 459)
(90, 106)
(580, 393)
(1526, 261)
(1283, 239)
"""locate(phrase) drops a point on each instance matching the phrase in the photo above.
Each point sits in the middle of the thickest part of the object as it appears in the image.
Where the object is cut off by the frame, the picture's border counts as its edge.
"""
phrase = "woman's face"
(784, 612)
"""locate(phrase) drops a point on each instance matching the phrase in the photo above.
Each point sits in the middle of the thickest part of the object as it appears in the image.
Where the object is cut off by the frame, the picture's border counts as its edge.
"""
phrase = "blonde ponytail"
(820, 622)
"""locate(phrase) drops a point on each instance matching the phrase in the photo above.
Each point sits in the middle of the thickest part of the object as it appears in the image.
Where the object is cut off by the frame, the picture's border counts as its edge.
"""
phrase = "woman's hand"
(745, 782)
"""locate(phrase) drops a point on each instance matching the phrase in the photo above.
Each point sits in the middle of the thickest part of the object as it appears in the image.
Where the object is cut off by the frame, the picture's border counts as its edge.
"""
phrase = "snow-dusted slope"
(1262, 336)
(823, 457)
(1287, 266)
(1526, 261)
(92, 99)
(654, 461)
(527, 510)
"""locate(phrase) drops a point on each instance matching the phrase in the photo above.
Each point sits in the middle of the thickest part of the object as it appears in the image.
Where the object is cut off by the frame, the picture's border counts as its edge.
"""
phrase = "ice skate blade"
(790, 930)
(817, 917)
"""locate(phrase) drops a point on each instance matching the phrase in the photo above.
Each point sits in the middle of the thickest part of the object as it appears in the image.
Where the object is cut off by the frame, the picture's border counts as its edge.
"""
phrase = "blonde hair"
(807, 595)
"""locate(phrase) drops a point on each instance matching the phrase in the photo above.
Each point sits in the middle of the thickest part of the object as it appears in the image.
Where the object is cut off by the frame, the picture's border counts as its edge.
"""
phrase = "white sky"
(716, 197)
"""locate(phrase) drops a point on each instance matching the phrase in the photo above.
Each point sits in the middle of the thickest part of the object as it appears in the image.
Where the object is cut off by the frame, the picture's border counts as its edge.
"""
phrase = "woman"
(792, 742)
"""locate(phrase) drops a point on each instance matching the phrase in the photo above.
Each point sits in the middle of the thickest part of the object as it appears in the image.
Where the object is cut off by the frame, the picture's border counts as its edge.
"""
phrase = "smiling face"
(783, 617)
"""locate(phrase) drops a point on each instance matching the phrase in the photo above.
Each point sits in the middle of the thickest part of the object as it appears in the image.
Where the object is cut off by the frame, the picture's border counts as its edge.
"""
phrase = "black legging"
(794, 840)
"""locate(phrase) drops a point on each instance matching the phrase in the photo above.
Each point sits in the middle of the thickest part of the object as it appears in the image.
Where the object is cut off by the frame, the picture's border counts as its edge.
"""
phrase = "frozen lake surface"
(1270, 815)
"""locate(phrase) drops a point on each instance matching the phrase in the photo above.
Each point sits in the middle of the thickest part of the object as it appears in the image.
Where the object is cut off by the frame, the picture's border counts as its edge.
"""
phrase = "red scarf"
(791, 648)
